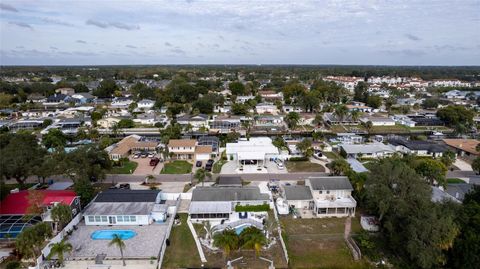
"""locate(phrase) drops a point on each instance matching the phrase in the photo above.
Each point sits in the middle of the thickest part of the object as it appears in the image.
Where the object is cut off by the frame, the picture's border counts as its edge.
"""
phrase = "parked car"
(144, 155)
(209, 165)
(136, 155)
(198, 164)
(154, 161)
(279, 164)
(319, 156)
(151, 155)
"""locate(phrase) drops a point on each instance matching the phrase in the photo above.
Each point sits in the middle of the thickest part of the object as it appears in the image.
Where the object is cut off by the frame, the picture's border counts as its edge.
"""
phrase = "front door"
(112, 220)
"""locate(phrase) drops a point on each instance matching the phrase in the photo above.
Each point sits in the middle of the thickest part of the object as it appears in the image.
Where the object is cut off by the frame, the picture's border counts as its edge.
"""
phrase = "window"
(133, 218)
(120, 218)
(91, 219)
(320, 192)
(328, 192)
(104, 219)
(97, 219)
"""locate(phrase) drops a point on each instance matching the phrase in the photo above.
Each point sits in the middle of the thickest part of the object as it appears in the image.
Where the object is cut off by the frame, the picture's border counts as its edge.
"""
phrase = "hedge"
(298, 159)
(252, 208)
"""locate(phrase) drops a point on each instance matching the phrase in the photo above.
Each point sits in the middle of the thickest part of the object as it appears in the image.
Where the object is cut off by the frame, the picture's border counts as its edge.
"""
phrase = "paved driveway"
(143, 167)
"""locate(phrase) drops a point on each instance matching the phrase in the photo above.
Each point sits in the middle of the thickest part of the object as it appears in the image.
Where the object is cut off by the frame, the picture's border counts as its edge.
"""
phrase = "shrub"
(13, 265)
(252, 208)
(298, 159)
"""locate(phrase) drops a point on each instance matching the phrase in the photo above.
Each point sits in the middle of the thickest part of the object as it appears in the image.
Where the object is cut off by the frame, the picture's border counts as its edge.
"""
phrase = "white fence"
(197, 241)
(279, 229)
(58, 238)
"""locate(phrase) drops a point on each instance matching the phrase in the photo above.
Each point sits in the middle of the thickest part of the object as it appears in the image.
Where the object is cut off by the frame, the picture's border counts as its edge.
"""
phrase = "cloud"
(8, 7)
(221, 37)
(178, 51)
(117, 25)
(57, 22)
(130, 46)
(21, 24)
(406, 52)
(168, 44)
(413, 37)
(53, 48)
(81, 41)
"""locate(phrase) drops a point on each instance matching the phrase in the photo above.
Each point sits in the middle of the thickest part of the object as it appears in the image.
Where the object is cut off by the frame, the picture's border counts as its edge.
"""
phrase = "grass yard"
(319, 243)
(182, 252)
(127, 167)
(177, 167)
(217, 167)
(304, 166)
(331, 155)
(454, 181)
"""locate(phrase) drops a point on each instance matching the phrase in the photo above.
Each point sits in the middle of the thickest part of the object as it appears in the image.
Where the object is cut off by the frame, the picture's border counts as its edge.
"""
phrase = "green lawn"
(318, 243)
(304, 166)
(454, 180)
(182, 252)
(331, 155)
(217, 167)
(127, 167)
(177, 167)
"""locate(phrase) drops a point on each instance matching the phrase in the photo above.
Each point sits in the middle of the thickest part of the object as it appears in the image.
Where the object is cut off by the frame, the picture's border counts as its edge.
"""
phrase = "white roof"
(210, 207)
(250, 155)
(367, 148)
(260, 145)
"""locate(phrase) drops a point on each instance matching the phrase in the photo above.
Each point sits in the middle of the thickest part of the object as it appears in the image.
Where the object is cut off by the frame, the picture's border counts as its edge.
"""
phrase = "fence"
(284, 247)
(197, 242)
(167, 234)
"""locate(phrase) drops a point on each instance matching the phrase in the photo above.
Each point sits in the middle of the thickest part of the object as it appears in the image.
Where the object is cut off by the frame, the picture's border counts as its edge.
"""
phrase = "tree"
(201, 174)
(85, 190)
(35, 200)
(203, 105)
(432, 170)
(55, 138)
(20, 153)
(374, 101)
(456, 115)
(305, 146)
(227, 240)
(464, 253)
(360, 92)
(430, 103)
(448, 158)
(240, 109)
(253, 238)
(279, 142)
(237, 88)
(368, 126)
(118, 242)
(476, 165)
(106, 89)
(31, 240)
(341, 111)
(59, 249)
(61, 215)
(87, 163)
(292, 120)
(125, 123)
(339, 167)
(416, 228)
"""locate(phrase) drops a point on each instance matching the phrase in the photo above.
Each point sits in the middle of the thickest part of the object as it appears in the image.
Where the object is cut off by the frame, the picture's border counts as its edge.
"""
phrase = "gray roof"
(230, 181)
(120, 195)
(228, 194)
(60, 186)
(356, 165)
(330, 183)
(210, 207)
(459, 190)
(138, 208)
(297, 193)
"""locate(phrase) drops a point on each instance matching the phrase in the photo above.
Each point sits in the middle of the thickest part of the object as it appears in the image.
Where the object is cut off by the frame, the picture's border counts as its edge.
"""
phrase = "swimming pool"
(239, 229)
(109, 234)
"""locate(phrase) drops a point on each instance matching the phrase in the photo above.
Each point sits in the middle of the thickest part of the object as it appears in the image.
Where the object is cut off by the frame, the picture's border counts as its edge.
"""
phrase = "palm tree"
(228, 240)
(341, 111)
(246, 124)
(201, 174)
(118, 242)
(368, 126)
(208, 228)
(59, 249)
(61, 214)
(355, 115)
(253, 238)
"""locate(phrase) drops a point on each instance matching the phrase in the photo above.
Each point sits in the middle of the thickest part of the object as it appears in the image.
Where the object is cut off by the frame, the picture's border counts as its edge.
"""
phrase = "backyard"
(126, 167)
(319, 243)
(303, 166)
(177, 167)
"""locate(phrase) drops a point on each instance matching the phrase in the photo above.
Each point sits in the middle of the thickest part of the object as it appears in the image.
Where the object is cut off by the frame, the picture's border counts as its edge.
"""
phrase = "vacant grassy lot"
(127, 167)
(318, 243)
(304, 166)
(177, 167)
(182, 252)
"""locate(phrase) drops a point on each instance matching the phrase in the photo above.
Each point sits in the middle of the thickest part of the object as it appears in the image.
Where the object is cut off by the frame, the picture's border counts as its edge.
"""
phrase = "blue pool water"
(239, 229)
(109, 234)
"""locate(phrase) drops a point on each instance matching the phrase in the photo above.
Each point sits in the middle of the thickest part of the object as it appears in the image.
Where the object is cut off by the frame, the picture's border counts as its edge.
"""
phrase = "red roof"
(17, 203)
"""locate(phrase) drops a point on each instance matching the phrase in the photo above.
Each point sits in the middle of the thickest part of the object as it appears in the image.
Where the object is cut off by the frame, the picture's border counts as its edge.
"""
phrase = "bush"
(13, 265)
(252, 208)
(298, 159)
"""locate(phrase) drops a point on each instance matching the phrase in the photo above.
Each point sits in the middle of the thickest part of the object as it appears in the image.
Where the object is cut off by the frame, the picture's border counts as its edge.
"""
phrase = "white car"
(151, 155)
(279, 164)
(320, 156)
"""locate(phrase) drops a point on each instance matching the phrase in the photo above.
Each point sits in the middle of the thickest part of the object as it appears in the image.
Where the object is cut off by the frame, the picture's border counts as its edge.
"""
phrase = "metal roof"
(298, 193)
(120, 196)
(210, 207)
(228, 194)
(132, 208)
(330, 183)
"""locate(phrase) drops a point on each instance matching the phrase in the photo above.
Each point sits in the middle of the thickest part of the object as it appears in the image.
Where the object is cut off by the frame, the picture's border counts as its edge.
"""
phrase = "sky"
(363, 32)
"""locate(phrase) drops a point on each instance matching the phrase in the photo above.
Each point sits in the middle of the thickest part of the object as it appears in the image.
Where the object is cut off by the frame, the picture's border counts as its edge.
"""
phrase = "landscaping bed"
(177, 167)
(127, 167)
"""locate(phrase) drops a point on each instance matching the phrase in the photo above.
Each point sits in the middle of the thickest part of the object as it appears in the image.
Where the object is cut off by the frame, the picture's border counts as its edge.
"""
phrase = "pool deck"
(145, 244)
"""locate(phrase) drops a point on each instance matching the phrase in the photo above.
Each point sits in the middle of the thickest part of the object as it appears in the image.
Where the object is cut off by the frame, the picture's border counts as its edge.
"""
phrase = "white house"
(145, 104)
(121, 102)
(373, 150)
(378, 121)
(197, 121)
(264, 108)
(123, 207)
(251, 154)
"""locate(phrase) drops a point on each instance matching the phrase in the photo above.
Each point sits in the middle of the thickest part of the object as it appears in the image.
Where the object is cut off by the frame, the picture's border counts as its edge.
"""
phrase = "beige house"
(108, 123)
(332, 196)
(183, 149)
(129, 144)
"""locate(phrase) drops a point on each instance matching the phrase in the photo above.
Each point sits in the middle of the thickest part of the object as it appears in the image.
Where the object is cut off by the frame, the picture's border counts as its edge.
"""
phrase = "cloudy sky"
(79, 32)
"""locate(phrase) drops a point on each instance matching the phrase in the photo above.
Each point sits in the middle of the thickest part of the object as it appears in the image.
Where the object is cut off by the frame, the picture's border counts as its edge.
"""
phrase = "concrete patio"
(145, 244)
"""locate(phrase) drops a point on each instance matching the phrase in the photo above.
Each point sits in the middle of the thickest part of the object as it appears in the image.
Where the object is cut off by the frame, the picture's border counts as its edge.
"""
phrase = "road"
(472, 176)
(188, 177)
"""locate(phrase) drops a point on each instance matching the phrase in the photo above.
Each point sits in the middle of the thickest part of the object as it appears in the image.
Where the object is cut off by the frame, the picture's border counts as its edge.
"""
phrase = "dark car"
(208, 165)
(154, 161)
(198, 164)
